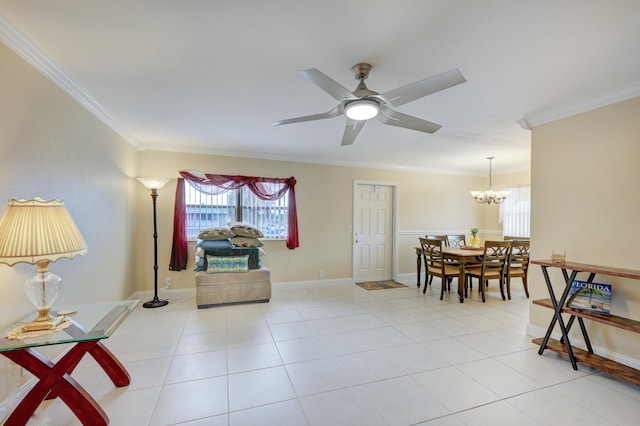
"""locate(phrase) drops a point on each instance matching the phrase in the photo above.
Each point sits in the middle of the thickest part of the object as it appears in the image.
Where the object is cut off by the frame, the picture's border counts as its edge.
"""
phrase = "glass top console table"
(89, 324)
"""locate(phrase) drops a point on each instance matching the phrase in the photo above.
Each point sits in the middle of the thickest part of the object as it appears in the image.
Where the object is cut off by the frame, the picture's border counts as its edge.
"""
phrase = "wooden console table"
(563, 346)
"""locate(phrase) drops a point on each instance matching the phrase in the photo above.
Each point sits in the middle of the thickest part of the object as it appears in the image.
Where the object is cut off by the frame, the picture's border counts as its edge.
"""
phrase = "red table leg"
(54, 379)
(115, 370)
(110, 364)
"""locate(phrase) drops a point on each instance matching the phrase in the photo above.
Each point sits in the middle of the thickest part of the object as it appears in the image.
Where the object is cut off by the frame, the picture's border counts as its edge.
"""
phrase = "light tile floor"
(340, 355)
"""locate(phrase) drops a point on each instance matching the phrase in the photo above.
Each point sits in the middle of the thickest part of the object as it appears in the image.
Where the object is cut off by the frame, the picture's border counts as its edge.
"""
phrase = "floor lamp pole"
(156, 302)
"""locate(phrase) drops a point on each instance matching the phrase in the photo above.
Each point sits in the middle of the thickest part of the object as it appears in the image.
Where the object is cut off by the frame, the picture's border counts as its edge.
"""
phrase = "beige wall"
(584, 173)
(426, 203)
(52, 147)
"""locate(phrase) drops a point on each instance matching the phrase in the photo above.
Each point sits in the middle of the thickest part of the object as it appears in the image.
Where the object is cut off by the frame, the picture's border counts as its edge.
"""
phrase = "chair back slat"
(456, 240)
(519, 253)
(518, 264)
(432, 251)
(496, 254)
(442, 238)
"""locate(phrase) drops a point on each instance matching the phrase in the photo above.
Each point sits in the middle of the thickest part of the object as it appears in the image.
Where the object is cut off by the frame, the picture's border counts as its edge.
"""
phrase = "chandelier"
(489, 196)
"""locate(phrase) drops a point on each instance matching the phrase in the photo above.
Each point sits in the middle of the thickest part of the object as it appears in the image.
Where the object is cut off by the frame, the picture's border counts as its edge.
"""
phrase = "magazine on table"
(590, 297)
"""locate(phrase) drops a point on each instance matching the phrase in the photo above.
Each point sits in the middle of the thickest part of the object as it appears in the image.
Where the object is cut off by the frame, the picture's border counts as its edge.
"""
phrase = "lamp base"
(155, 303)
(47, 324)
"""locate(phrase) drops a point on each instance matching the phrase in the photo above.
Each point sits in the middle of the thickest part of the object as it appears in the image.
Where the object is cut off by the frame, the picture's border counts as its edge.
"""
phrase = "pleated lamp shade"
(36, 230)
(39, 232)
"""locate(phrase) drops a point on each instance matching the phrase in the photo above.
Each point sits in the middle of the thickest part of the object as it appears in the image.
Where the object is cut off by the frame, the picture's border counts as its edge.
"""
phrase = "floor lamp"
(154, 185)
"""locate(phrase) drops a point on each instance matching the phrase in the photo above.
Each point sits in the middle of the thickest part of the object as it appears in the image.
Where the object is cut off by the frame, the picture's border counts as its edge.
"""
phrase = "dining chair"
(492, 267)
(460, 241)
(435, 264)
(456, 240)
(446, 243)
(518, 265)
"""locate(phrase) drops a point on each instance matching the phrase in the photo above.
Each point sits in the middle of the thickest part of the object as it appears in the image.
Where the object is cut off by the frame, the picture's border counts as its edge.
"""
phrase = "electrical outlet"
(168, 281)
(322, 272)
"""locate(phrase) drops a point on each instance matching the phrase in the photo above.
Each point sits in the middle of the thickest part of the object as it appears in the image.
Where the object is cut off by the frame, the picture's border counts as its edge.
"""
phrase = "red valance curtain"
(264, 188)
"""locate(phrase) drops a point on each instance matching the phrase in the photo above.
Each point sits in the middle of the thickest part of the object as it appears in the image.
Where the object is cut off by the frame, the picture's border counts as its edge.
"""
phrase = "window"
(207, 206)
(238, 205)
(515, 212)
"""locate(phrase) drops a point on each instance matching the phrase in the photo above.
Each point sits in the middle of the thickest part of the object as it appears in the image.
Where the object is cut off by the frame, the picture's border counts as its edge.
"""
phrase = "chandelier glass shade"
(489, 195)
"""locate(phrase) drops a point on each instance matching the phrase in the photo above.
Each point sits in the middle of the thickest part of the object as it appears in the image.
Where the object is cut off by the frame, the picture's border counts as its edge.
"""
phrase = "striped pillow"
(216, 264)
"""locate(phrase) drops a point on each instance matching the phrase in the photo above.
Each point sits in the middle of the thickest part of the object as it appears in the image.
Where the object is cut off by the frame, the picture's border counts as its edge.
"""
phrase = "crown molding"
(281, 156)
(553, 114)
(22, 46)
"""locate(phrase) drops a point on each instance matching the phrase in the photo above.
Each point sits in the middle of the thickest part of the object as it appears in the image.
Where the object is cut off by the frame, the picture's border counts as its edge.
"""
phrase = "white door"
(373, 236)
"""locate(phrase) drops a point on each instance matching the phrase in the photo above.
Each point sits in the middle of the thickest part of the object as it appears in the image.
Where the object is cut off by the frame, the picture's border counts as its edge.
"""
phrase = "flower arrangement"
(474, 241)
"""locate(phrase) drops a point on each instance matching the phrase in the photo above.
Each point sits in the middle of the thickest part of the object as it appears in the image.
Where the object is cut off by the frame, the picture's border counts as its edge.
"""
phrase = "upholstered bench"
(225, 288)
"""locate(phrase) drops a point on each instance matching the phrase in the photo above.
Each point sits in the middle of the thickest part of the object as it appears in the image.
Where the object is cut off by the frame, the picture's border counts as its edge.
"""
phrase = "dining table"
(463, 255)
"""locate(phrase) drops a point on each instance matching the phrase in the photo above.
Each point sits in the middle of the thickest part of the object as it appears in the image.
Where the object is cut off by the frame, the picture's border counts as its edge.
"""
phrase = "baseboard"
(311, 283)
(189, 292)
(164, 293)
(408, 278)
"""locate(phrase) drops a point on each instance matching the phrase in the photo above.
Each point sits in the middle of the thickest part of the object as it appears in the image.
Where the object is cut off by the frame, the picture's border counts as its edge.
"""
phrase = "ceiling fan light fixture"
(362, 110)
(363, 104)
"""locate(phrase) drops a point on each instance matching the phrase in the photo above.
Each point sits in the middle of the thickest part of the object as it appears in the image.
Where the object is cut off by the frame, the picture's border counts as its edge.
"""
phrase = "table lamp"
(39, 232)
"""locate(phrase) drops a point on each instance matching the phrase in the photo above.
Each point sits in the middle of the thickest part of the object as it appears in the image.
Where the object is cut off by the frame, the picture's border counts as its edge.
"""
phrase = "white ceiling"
(210, 76)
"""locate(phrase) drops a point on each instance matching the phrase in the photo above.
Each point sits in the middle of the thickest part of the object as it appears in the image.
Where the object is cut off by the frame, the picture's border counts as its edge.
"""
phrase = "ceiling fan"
(364, 104)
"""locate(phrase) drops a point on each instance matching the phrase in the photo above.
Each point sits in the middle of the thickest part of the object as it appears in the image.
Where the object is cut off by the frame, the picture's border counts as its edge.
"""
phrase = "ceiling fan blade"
(421, 88)
(398, 119)
(351, 131)
(333, 113)
(327, 84)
